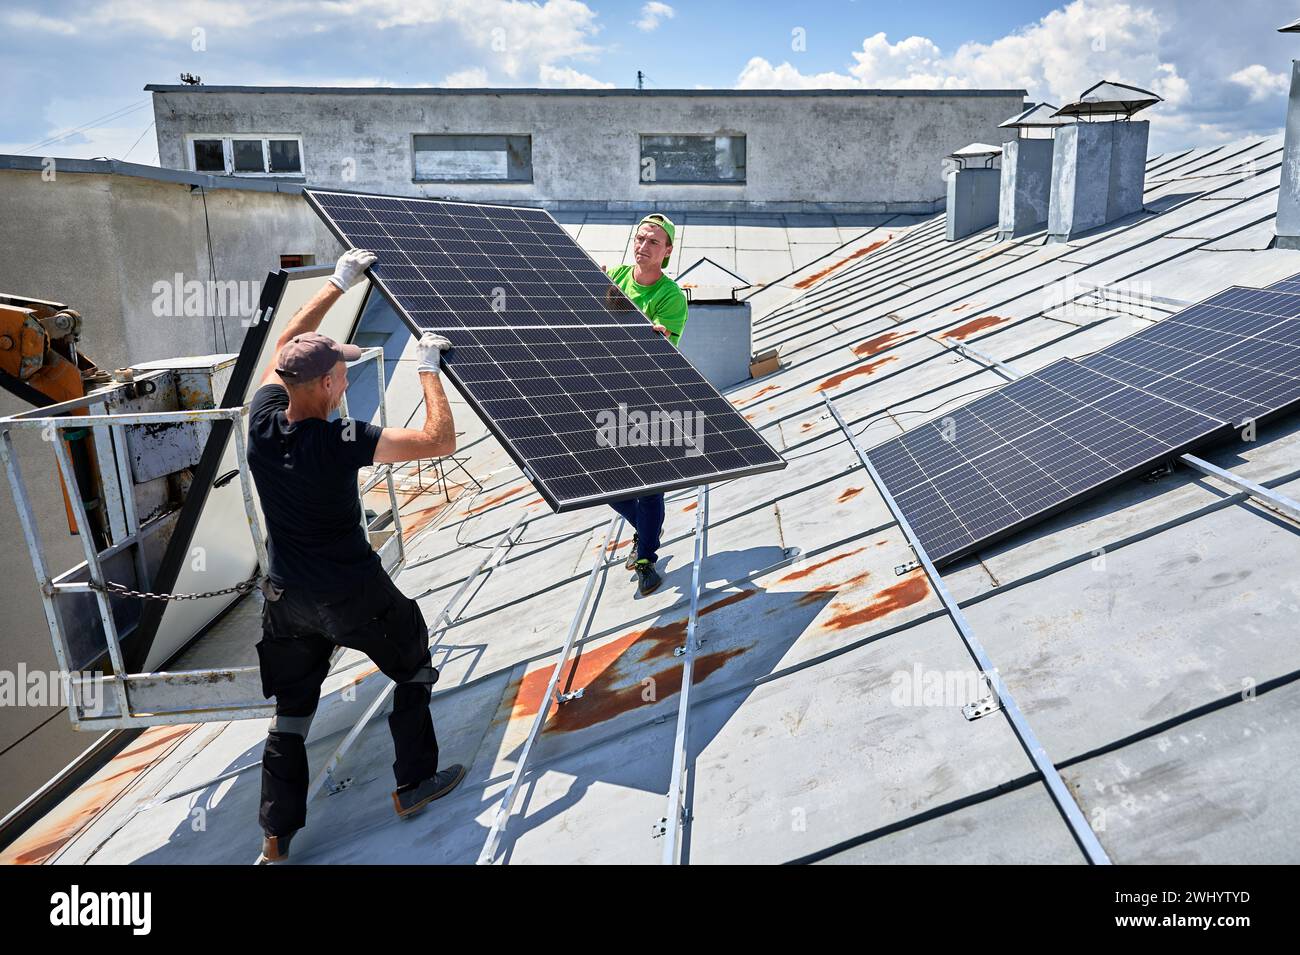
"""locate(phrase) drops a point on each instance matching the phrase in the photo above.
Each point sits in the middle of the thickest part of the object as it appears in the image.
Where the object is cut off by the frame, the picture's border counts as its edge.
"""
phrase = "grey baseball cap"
(311, 355)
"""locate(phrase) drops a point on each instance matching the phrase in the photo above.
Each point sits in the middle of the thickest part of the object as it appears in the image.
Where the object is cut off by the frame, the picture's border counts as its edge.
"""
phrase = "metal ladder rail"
(671, 826)
(93, 558)
(442, 622)
(1065, 803)
(502, 816)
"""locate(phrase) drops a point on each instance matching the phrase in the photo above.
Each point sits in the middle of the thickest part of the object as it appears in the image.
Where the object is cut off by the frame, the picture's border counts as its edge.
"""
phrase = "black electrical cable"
(212, 271)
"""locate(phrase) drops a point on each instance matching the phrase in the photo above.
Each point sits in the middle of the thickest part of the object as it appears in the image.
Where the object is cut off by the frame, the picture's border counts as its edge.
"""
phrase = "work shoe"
(275, 848)
(649, 579)
(631, 558)
(408, 802)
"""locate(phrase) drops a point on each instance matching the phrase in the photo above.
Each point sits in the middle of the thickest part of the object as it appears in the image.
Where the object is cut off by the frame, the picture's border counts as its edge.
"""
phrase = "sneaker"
(631, 558)
(408, 802)
(275, 848)
(648, 579)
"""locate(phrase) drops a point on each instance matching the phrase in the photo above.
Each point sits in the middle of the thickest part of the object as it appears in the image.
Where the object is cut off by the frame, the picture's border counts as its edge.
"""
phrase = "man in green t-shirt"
(664, 303)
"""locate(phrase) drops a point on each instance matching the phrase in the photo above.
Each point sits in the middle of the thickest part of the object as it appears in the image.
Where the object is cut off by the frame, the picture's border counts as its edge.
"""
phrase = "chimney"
(1099, 162)
(1288, 196)
(973, 190)
(1026, 186)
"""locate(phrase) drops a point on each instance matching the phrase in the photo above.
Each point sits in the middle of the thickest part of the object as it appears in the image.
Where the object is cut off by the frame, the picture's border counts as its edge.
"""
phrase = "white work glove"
(428, 351)
(351, 265)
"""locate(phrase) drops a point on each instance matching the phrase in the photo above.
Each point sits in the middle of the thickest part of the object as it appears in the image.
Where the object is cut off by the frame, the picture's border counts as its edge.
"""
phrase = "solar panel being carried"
(591, 402)
(1022, 453)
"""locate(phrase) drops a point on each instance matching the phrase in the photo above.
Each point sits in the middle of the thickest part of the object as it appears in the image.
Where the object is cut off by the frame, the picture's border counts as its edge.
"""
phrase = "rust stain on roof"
(496, 499)
(608, 674)
(816, 594)
(62, 824)
(873, 345)
(834, 381)
(803, 572)
(756, 395)
(906, 592)
(975, 325)
(417, 521)
(849, 494)
(818, 276)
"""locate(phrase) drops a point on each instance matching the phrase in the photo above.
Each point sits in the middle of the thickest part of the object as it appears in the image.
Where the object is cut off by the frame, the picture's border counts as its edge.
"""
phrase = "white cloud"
(652, 13)
(471, 78)
(759, 74)
(28, 20)
(1157, 45)
(569, 78)
(1261, 82)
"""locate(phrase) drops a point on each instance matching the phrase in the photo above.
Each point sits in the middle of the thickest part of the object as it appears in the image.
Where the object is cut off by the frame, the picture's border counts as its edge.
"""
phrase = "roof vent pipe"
(1288, 196)
(1026, 185)
(1098, 164)
(972, 190)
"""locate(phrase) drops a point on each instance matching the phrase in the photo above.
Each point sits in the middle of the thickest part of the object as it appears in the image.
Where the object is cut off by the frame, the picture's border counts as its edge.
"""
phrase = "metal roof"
(1147, 634)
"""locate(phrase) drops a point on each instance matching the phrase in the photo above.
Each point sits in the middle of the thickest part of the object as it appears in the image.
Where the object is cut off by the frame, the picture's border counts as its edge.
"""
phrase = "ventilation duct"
(1099, 162)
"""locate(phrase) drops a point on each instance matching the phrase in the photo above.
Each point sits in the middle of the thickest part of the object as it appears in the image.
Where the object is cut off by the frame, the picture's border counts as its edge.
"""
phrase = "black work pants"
(646, 515)
(299, 632)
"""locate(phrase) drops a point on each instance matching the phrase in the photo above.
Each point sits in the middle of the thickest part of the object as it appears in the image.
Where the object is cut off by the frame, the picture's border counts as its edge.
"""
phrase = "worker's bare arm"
(351, 265)
(436, 440)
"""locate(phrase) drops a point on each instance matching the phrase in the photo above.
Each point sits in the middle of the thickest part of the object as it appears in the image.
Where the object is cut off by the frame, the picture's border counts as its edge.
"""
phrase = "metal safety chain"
(243, 587)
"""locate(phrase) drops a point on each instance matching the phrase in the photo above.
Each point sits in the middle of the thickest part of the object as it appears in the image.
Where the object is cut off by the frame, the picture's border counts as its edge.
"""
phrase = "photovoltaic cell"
(1291, 284)
(1017, 455)
(1234, 356)
(588, 399)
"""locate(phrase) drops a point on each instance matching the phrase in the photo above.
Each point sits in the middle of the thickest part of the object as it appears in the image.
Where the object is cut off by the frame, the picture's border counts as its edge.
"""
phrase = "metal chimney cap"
(976, 151)
(1109, 97)
(1292, 27)
(708, 281)
(1040, 115)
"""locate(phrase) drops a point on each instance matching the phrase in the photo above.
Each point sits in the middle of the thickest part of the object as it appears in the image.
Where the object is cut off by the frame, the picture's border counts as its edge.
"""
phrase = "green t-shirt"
(664, 302)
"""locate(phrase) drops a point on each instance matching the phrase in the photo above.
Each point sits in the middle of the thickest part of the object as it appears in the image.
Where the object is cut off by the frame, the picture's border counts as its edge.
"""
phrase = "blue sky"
(73, 70)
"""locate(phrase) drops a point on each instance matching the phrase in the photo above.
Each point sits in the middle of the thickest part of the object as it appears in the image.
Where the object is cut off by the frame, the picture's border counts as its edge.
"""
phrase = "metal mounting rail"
(442, 623)
(1288, 506)
(1065, 804)
(499, 819)
(673, 822)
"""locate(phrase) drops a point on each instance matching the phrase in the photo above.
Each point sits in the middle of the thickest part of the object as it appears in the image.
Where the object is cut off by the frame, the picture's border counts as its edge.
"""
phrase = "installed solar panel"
(1234, 356)
(589, 400)
(1291, 284)
(1017, 455)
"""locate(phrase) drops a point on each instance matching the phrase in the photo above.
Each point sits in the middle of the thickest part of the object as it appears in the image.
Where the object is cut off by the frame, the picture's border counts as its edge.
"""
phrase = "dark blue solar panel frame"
(559, 347)
(1015, 457)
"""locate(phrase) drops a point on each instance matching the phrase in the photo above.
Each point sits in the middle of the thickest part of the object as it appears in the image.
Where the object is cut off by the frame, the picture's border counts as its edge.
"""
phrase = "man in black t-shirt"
(327, 586)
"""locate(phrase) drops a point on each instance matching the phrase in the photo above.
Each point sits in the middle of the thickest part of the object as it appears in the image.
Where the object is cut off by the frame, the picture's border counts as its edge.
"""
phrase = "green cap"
(665, 223)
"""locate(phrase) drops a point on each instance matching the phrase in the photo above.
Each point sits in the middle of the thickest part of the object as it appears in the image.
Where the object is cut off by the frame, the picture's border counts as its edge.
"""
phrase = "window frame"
(417, 178)
(228, 154)
(641, 156)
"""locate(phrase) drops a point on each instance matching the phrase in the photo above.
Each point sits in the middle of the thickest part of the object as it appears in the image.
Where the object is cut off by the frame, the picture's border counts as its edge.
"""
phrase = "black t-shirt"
(306, 477)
